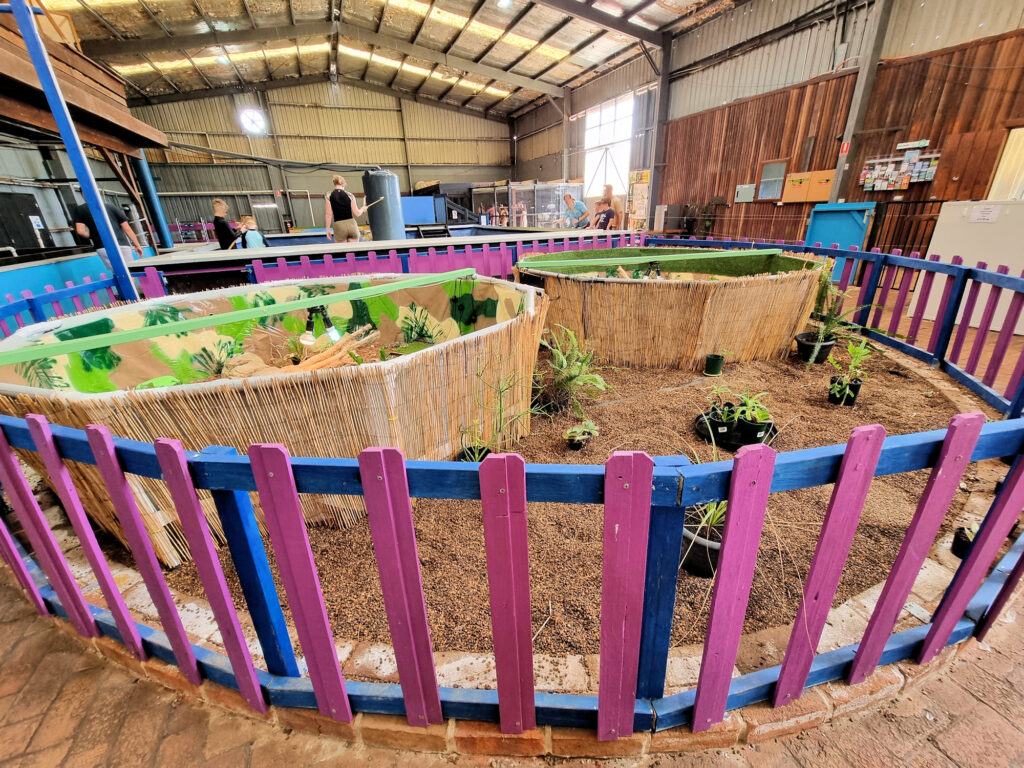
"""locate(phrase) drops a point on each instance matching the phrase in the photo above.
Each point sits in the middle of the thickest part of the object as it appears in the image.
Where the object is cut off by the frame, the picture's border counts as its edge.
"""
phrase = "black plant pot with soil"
(700, 555)
(845, 396)
(750, 432)
(719, 422)
(961, 542)
(805, 344)
(713, 365)
(577, 443)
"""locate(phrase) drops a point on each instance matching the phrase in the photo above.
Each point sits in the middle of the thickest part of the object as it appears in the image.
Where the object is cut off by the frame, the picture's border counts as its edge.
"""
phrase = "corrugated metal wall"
(784, 59)
(919, 26)
(319, 123)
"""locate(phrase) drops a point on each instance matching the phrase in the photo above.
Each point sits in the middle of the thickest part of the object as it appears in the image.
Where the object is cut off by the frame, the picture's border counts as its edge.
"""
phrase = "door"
(22, 225)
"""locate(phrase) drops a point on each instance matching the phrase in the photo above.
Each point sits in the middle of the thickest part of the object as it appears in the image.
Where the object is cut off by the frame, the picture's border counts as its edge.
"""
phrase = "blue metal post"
(72, 144)
(877, 268)
(250, 558)
(156, 210)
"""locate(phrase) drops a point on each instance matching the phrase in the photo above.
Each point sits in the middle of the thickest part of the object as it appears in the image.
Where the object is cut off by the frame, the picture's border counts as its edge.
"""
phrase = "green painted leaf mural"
(181, 366)
(40, 373)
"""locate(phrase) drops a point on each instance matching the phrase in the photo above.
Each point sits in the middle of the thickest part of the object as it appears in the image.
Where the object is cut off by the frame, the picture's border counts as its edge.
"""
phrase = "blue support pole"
(72, 144)
(156, 210)
(663, 547)
(250, 558)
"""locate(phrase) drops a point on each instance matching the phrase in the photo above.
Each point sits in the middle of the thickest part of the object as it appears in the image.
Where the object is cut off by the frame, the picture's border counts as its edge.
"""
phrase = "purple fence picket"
(1015, 377)
(749, 487)
(994, 530)
(1005, 336)
(922, 302)
(901, 297)
(503, 501)
(627, 515)
(389, 512)
(947, 291)
(985, 324)
(841, 518)
(55, 306)
(47, 551)
(965, 319)
(76, 300)
(60, 480)
(179, 481)
(883, 290)
(259, 272)
(279, 498)
(9, 554)
(1005, 593)
(152, 285)
(931, 509)
(141, 548)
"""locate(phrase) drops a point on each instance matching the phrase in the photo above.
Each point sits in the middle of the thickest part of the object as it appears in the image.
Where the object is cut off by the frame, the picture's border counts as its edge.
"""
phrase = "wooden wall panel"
(962, 99)
(711, 152)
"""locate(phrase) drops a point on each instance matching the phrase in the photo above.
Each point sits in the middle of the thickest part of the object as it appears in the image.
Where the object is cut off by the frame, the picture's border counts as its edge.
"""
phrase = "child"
(249, 235)
(605, 212)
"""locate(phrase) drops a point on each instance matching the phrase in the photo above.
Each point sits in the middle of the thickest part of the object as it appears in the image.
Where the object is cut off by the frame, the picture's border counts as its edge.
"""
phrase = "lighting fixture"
(252, 120)
(504, 4)
(608, 7)
(223, 60)
(308, 338)
(332, 332)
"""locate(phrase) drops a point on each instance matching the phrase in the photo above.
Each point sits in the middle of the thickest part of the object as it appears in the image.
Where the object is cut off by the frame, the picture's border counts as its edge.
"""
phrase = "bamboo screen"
(420, 402)
(676, 323)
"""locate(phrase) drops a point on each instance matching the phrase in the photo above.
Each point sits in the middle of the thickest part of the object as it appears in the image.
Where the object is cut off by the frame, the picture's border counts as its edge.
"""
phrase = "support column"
(872, 48)
(23, 15)
(660, 123)
(566, 113)
(157, 220)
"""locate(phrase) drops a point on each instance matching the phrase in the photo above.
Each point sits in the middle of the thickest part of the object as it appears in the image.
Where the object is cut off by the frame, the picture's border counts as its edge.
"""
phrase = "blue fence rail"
(674, 485)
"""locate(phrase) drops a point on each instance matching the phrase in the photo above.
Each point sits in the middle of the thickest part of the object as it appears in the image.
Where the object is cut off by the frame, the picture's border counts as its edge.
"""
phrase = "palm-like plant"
(573, 372)
(39, 373)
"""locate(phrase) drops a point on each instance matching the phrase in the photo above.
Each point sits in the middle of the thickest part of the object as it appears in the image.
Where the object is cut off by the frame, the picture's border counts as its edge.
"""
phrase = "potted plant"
(844, 388)
(578, 436)
(713, 363)
(721, 419)
(962, 539)
(815, 346)
(702, 538)
(753, 419)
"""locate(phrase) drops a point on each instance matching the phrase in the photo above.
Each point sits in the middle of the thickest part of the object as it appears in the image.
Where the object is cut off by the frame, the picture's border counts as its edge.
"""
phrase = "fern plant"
(212, 361)
(573, 373)
(416, 326)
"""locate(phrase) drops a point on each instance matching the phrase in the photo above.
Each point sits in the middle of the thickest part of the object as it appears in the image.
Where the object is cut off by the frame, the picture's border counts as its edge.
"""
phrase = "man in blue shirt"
(575, 213)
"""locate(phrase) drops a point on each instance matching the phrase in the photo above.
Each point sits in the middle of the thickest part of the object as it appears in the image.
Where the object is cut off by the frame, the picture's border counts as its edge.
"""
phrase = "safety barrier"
(644, 503)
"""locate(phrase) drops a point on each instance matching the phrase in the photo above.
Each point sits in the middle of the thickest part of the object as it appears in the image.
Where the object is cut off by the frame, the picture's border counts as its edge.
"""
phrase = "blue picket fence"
(640, 569)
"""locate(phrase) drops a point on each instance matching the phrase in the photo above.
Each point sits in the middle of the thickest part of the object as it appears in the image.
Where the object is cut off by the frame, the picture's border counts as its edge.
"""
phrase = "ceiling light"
(224, 60)
(504, 4)
(642, 22)
(608, 7)
(253, 121)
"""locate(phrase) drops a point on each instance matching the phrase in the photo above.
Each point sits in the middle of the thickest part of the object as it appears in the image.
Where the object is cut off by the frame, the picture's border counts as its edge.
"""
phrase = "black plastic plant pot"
(700, 555)
(961, 542)
(750, 432)
(847, 396)
(475, 455)
(720, 427)
(713, 365)
(805, 343)
(577, 443)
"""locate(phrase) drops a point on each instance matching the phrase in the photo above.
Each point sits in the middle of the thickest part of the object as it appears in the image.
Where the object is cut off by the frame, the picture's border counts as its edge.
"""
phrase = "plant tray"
(730, 442)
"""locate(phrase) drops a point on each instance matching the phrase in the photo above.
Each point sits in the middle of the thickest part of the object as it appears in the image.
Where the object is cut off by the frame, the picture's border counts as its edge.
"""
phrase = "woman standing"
(342, 212)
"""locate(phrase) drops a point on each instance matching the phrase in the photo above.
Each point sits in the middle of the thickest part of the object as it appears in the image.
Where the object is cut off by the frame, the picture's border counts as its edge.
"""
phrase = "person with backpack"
(249, 235)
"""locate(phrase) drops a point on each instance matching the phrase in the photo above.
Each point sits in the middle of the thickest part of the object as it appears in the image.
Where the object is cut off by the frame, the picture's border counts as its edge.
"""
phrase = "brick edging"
(749, 725)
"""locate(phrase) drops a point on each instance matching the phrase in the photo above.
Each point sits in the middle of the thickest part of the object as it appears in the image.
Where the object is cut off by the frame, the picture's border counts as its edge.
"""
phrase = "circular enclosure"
(415, 363)
(671, 307)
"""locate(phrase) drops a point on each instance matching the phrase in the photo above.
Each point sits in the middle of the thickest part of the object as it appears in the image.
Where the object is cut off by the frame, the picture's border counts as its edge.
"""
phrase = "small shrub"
(573, 373)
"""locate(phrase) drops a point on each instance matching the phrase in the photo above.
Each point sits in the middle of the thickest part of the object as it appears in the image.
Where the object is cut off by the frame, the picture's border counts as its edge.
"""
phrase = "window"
(607, 141)
(1008, 183)
(773, 174)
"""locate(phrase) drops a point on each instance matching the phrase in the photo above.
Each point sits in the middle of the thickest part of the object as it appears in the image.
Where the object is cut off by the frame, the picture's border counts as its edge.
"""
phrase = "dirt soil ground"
(650, 410)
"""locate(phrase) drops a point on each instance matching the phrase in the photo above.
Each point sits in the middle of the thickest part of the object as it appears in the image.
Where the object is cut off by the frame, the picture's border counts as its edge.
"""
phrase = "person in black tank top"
(342, 211)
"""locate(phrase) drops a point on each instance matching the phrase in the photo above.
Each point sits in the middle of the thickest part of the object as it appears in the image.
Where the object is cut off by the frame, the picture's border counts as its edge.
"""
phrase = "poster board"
(638, 205)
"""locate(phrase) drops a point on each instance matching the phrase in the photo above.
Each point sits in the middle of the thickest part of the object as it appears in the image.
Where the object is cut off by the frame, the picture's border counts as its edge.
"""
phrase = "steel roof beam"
(106, 48)
(619, 24)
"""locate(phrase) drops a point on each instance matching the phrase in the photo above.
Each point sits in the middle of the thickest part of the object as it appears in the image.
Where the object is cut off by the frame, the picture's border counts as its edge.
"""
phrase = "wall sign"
(983, 214)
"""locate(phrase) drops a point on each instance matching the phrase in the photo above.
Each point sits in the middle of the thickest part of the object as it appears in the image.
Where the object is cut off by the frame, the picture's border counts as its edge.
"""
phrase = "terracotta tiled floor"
(61, 705)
